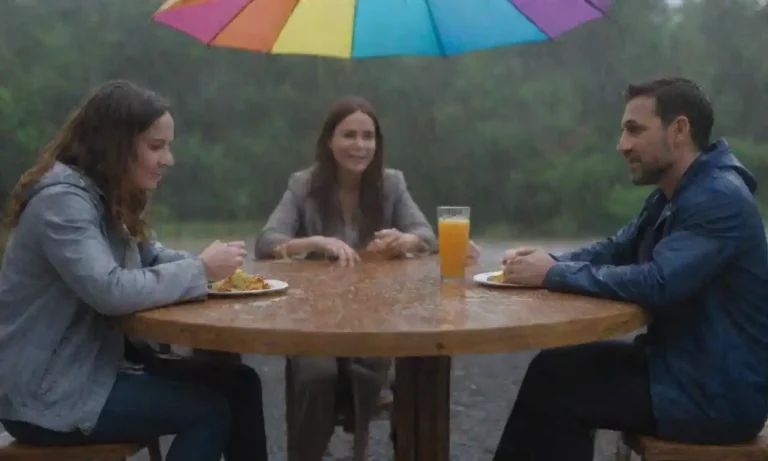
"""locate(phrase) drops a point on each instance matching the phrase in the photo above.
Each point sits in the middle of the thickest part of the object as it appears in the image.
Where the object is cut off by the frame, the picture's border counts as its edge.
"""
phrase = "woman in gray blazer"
(346, 204)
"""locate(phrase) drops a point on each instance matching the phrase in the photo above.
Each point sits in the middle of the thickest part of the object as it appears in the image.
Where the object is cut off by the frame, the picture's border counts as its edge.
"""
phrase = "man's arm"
(708, 234)
(616, 250)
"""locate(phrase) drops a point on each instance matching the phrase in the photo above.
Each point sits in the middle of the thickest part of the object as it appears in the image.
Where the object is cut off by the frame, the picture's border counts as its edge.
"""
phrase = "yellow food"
(498, 277)
(240, 281)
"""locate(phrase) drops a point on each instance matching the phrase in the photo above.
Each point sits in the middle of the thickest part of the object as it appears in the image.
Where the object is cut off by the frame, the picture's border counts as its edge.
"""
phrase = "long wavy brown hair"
(99, 140)
(323, 183)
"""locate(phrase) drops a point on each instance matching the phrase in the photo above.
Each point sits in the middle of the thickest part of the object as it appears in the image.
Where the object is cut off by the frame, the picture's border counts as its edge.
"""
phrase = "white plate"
(484, 279)
(275, 286)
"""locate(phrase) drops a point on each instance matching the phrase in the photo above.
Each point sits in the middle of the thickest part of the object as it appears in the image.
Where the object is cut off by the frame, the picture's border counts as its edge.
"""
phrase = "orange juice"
(453, 239)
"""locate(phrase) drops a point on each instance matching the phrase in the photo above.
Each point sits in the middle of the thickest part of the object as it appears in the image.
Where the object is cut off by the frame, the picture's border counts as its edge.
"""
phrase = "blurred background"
(524, 135)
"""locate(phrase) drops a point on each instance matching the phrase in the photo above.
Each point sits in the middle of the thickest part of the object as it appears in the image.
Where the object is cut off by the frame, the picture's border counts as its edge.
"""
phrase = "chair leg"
(623, 452)
(154, 450)
(392, 431)
(360, 444)
(290, 443)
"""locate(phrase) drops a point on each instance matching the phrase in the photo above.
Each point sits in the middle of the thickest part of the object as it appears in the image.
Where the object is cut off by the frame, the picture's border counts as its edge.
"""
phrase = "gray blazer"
(296, 216)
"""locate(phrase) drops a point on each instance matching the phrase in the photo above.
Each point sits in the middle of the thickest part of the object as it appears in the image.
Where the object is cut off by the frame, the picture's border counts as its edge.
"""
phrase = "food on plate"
(240, 281)
(497, 277)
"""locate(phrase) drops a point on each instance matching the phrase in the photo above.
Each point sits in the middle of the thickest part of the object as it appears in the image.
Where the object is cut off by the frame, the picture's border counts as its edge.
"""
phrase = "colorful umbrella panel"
(375, 28)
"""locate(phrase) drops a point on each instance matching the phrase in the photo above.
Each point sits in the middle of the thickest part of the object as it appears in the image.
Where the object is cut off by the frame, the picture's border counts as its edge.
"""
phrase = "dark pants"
(212, 408)
(568, 393)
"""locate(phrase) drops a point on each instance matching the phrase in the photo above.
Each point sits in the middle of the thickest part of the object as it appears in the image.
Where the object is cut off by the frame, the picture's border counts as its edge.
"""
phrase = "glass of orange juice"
(453, 240)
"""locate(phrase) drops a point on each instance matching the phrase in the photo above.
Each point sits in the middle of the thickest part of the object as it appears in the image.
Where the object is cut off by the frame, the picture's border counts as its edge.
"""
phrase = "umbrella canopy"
(375, 28)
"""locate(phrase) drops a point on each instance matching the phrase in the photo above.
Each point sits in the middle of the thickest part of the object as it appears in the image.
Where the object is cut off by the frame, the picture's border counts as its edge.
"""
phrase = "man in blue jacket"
(695, 260)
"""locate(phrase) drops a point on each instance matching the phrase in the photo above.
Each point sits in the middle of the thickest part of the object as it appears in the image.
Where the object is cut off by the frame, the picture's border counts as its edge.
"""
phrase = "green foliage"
(525, 135)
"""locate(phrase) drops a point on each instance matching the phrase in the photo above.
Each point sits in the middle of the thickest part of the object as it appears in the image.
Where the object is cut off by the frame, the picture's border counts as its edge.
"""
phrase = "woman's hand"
(393, 243)
(222, 259)
(334, 247)
(473, 254)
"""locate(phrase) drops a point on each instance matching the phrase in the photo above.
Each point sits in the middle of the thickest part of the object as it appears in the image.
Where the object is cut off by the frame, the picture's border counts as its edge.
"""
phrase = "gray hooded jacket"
(66, 277)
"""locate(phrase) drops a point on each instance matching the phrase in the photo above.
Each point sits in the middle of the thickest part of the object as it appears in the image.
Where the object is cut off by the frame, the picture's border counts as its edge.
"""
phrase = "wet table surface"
(383, 308)
(395, 309)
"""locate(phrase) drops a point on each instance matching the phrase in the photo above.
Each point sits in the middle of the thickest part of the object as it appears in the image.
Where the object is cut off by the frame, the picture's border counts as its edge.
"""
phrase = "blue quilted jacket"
(697, 263)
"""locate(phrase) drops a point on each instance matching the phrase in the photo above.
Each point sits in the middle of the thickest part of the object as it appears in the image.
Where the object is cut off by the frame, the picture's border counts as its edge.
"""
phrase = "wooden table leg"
(422, 408)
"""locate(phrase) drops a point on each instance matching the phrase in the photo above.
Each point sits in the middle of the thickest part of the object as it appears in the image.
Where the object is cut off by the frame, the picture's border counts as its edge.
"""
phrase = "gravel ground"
(480, 402)
(479, 408)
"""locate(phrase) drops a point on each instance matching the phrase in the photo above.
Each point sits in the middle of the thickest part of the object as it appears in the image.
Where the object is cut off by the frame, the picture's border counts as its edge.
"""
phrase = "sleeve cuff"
(199, 291)
(559, 257)
(556, 277)
(266, 245)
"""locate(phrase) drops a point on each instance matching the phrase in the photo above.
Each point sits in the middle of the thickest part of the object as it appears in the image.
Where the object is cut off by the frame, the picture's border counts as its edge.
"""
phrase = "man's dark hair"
(678, 96)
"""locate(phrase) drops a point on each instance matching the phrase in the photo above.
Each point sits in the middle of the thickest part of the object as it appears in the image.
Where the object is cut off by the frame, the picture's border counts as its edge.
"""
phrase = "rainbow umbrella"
(375, 28)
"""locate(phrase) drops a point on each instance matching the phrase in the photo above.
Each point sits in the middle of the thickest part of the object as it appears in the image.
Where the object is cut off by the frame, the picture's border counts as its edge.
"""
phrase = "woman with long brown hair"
(345, 204)
(80, 255)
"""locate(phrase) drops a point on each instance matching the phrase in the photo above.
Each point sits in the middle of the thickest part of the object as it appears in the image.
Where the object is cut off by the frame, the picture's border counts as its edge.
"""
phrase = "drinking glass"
(453, 240)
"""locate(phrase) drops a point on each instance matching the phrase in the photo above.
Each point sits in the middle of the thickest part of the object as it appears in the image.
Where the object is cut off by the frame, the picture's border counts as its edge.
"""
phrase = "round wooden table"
(395, 309)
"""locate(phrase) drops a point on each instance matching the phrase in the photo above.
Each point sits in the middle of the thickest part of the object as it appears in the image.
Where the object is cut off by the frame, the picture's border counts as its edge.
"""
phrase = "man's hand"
(528, 267)
(515, 252)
